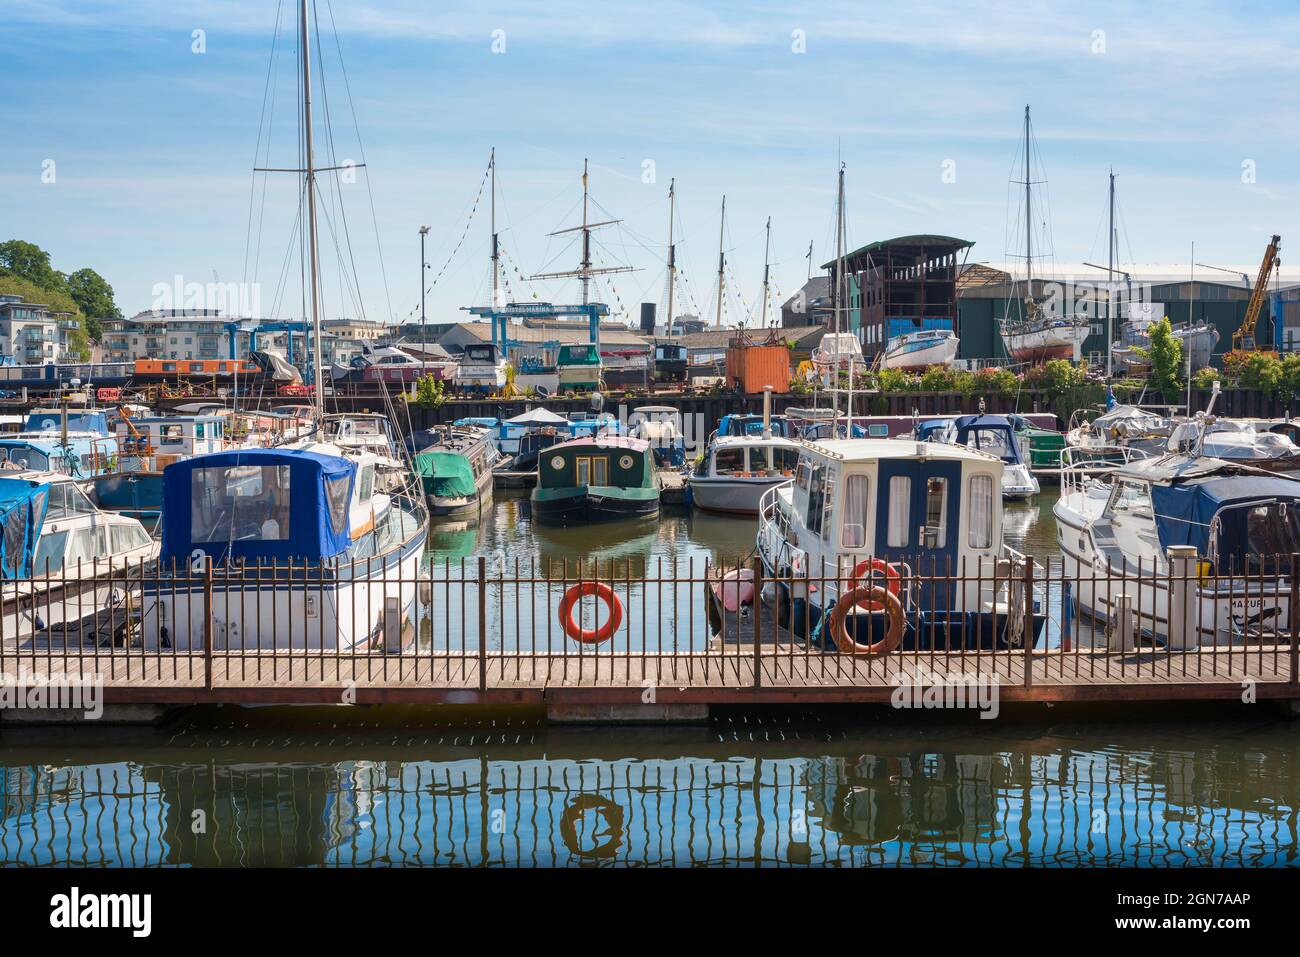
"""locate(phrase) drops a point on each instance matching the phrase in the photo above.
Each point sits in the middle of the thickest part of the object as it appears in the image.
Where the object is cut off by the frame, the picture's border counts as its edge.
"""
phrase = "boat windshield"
(1272, 536)
(239, 503)
(24, 457)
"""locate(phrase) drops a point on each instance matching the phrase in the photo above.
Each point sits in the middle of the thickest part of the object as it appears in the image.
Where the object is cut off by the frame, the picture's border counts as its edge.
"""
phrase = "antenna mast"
(672, 251)
(767, 248)
(496, 246)
(722, 261)
(1110, 278)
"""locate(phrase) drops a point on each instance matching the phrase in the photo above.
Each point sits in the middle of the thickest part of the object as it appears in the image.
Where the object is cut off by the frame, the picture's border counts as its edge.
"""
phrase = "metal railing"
(694, 630)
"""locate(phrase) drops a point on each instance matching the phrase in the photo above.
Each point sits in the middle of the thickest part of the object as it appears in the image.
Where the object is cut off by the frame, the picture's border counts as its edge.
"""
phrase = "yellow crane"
(1244, 338)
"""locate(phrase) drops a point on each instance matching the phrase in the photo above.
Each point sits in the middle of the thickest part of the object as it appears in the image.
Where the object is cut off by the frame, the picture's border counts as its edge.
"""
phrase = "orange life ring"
(872, 567)
(590, 636)
(877, 597)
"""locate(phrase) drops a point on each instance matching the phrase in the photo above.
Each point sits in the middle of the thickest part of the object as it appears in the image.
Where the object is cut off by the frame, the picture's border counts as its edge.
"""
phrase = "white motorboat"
(1196, 550)
(920, 350)
(307, 553)
(735, 471)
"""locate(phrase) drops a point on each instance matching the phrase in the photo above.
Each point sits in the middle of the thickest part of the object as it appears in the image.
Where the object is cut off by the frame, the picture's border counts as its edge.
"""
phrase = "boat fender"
(855, 600)
(590, 636)
(871, 568)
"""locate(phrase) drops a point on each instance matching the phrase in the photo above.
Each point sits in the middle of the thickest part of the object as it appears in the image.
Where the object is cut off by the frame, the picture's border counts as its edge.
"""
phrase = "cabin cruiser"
(357, 432)
(994, 434)
(579, 368)
(735, 471)
(1235, 527)
(306, 552)
(661, 426)
(920, 350)
(838, 351)
(903, 515)
(148, 444)
(1124, 426)
(482, 369)
(1237, 440)
(391, 364)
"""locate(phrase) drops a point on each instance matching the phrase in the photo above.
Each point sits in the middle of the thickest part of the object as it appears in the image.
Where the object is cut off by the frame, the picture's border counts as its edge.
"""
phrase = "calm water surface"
(389, 788)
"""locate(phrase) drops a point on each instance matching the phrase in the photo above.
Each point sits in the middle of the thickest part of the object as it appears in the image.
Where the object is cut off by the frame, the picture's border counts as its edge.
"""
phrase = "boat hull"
(1043, 345)
(593, 507)
(447, 508)
(939, 353)
(730, 496)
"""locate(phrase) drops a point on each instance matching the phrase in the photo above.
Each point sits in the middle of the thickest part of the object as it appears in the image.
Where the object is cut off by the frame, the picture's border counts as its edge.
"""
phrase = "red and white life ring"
(590, 636)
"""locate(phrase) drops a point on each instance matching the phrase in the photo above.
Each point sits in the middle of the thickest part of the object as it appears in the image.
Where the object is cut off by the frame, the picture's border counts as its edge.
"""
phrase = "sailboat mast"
(722, 261)
(310, 183)
(672, 251)
(841, 290)
(1029, 218)
(767, 250)
(1110, 277)
(496, 246)
(586, 238)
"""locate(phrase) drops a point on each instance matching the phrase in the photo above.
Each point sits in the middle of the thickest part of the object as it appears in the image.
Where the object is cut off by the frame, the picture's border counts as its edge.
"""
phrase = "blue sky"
(154, 144)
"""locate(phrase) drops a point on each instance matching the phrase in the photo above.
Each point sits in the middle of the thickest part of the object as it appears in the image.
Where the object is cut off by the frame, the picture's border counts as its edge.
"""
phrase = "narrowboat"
(455, 473)
(321, 558)
(921, 519)
(601, 479)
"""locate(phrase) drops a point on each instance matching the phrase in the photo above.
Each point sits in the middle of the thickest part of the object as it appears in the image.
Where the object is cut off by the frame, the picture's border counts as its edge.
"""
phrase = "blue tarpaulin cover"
(1184, 510)
(22, 510)
(313, 533)
(968, 425)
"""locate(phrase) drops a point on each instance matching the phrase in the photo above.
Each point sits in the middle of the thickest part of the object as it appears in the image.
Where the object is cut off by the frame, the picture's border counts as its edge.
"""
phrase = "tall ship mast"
(1036, 335)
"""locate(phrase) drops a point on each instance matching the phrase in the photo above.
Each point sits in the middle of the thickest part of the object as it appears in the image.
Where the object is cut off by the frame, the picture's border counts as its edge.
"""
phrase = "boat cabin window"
(67, 500)
(25, 457)
(366, 483)
(936, 513)
(816, 499)
(1272, 535)
(729, 461)
(853, 530)
(124, 538)
(240, 502)
(900, 504)
(1130, 498)
(172, 434)
(981, 511)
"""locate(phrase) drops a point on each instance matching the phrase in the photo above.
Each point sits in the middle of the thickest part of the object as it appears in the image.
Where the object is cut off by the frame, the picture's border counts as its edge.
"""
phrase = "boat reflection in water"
(777, 794)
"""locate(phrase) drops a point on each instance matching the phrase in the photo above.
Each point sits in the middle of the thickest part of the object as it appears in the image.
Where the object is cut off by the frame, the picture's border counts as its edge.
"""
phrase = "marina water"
(1204, 785)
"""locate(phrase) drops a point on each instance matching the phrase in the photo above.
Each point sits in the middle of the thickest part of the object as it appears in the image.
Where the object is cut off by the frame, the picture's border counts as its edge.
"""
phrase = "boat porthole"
(625, 462)
(557, 461)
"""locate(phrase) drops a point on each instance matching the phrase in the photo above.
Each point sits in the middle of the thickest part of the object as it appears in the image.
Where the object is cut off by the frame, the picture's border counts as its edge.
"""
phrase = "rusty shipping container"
(752, 367)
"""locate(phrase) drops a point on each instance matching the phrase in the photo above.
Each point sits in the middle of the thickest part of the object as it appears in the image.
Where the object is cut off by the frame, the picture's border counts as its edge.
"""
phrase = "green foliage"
(896, 380)
(1205, 378)
(1067, 387)
(1166, 353)
(430, 392)
(94, 296)
(939, 379)
(989, 381)
(28, 261)
(1261, 371)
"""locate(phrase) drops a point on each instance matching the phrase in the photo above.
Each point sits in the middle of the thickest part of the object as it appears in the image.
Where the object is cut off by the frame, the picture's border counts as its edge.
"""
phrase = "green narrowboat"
(578, 368)
(601, 479)
(456, 474)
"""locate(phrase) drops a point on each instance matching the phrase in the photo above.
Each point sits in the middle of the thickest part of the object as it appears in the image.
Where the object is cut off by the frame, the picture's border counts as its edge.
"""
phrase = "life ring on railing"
(590, 636)
(855, 600)
(871, 567)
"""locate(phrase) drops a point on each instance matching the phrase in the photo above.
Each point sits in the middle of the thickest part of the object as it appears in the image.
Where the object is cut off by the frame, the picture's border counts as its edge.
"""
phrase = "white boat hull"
(732, 495)
(1052, 342)
(941, 352)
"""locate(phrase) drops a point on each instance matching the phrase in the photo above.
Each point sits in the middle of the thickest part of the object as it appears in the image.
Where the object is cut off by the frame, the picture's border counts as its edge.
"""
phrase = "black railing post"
(482, 623)
(1293, 614)
(1027, 628)
(207, 622)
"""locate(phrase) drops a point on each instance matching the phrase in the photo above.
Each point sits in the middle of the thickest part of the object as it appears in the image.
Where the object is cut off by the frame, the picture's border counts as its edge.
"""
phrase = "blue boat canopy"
(931, 429)
(275, 505)
(22, 510)
(992, 434)
(1250, 521)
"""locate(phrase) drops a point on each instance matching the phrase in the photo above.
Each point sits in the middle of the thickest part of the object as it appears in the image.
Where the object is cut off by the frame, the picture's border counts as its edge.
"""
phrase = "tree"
(1166, 359)
(94, 296)
(28, 261)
